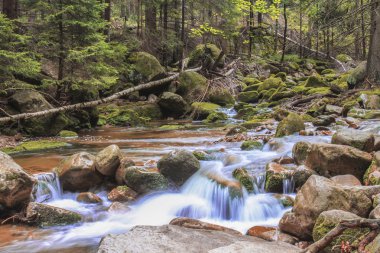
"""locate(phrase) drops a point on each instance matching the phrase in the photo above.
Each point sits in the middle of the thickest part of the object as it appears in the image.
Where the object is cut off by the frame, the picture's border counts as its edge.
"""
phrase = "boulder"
(357, 75)
(347, 180)
(178, 166)
(79, 172)
(120, 172)
(355, 138)
(202, 110)
(375, 213)
(372, 175)
(122, 194)
(173, 105)
(271, 83)
(118, 207)
(251, 145)
(333, 109)
(15, 185)
(205, 55)
(274, 177)
(244, 178)
(216, 117)
(315, 82)
(145, 67)
(320, 194)
(249, 97)
(301, 174)
(324, 120)
(271, 234)
(191, 85)
(236, 130)
(108, 160)
(178, 239)
(292, 124)
(332, 160)
(46, 216)
(144, 181)
(222, 97)
(328, 220)
(89, 198)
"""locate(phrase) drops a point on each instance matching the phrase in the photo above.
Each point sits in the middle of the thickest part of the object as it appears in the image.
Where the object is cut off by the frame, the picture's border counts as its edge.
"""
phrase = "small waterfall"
(259, 183)
(288, 185)
(48, 187)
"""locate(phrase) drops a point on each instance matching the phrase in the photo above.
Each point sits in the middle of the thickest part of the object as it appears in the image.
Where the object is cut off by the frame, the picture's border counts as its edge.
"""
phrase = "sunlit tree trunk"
(373, 64)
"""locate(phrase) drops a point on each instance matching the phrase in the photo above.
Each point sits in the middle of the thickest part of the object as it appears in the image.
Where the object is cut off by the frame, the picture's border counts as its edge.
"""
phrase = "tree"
(373, 64)
(15, 59)
(10, 8)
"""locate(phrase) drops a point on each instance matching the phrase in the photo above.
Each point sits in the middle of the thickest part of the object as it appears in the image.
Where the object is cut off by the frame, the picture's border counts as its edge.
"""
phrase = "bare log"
(95, 102)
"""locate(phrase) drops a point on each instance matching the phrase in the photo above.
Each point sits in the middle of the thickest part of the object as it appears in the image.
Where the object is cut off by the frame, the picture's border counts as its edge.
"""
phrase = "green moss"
(244, 178)
(307, 118)
(204, 109)
(171, 127)
(120, 116)
(281, 75)
(271, 83)
(293, 123)
(216, 117)
(357, 75)
(315, 82)
(251, 124)
(251, 145)
(203, 156)
(253, 87)
(67, 134)
(250, 81)
(328, 72)
(343, 58)
(34, 146)
(191, 84)
(145, 67)
(249, 97)
(279, 94)
(300, 89)
(203, 53)
(294, 65)
(320, 90)
(221, 97)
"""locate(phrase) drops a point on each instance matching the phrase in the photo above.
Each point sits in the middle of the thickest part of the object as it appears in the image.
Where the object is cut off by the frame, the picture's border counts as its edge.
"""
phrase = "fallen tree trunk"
(117, 95)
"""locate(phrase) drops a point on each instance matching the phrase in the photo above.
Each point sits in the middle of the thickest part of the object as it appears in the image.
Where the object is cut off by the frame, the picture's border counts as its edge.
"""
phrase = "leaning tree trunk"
(373, 64)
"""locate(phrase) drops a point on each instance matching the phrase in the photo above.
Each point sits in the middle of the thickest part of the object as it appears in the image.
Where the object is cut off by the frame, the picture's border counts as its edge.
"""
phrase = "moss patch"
(34, 146)
(67, 134)
(251, 145)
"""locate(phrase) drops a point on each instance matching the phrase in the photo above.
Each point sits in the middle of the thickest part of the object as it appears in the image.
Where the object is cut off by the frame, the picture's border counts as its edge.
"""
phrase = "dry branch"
(95, 102)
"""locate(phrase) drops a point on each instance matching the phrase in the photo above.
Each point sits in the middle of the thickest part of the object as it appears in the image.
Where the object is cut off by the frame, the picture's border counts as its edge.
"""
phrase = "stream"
(198, 198)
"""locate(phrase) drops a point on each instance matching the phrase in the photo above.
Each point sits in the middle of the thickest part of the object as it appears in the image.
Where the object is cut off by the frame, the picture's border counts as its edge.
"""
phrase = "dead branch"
(95, 102)
(367, 240)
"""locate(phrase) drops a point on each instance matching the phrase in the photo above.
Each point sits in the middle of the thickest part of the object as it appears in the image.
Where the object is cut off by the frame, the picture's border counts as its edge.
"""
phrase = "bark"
(61, 55)
(150, 17)
(94, 103)
(107, 16)
(10, 8)
(250, 30)
(364, 43)
(285, 34)
(373, 66)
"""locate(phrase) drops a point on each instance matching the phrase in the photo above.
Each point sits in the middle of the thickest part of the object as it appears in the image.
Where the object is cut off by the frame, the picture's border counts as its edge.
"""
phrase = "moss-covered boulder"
(205, 54)
(249, 97)
(355, 138)
(315, 82)
(328, 220)
(274, 177)
(191, 85)
(301, 151)
(236, 130)
(222, 97)
(357, 75)
(173, 105)
(201, 110)
(271, 83)
(216, 117)
(251, 145)
(244, 178)
(29, 146)
(122, 194)
(281, 94)
(343, 58)
(372, 174)
(120, 116)
(293, 123)
(15, 185)
(144, 181)
(250, 80)
(79, 172)
(42, 215)
(67, 134)
(145, 67)
(178, 166)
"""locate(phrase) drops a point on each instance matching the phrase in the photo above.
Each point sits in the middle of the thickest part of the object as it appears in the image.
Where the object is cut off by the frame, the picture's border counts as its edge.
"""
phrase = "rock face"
(348, 180)
(329, 220)
(79, 172)
(109, 160)
(178, 166)
(175, 239)
(197, 224)
(320, 194)
(173, 105)
(331, 160)
(358, 139)
(46, 216)
(293, 123)
(15, 185)
(144, 181)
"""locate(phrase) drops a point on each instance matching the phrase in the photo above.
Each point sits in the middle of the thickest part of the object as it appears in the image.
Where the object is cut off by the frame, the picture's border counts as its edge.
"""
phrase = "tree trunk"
(107, 17)
(357, 31)
(250, 30)
(285, 34)
(10, 8)
(61, 55)
(150, 18)
(301, 23)
(364, 43)
(373, 64)
(183, 11)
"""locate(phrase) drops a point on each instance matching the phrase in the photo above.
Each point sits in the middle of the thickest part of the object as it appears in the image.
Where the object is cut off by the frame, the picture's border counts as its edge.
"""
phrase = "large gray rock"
(15, 185)
(144, 181)
(109, 160)
(332, 160)
(46, 216)
(173, 105)
(79, 172)
(175, 239)
(178, 166)
(355, 138)
(320, 194)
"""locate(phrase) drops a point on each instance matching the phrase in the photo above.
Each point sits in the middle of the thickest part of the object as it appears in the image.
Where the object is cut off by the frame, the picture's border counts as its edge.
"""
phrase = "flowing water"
(199, 198)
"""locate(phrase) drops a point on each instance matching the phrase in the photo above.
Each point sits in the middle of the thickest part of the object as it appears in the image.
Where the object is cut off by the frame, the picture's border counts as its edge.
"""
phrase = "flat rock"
(175, 239)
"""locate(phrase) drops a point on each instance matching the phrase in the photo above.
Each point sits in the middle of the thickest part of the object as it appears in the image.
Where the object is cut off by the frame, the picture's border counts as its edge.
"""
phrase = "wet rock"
(275, 175)
(222, 97)
(355, 138)
(178, 166)
(117, 207)
(244, 178)
(197, 224)
(375, 213)
(357, 75)
(173, 105)
(120, 172)
(271, 234)
(372, 175)
(15, 185)
(329, 220)
(144, 181)
(109, 160)
(203, 156)
(46, 216)
(251, 145)
(178, 239)
(331, 160)
(324, 120)
(377, 143)
(202, 110)
(301, 174)
(191, 84)
(292, 124)
(348, 180)
(122, 194)
(333, 109)
(234, 187)
(320, 194)
(285, 200)
(79, 172)
(89, 198)
(216, 117)
(284, 160)
(236, 130)
(249, 97)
